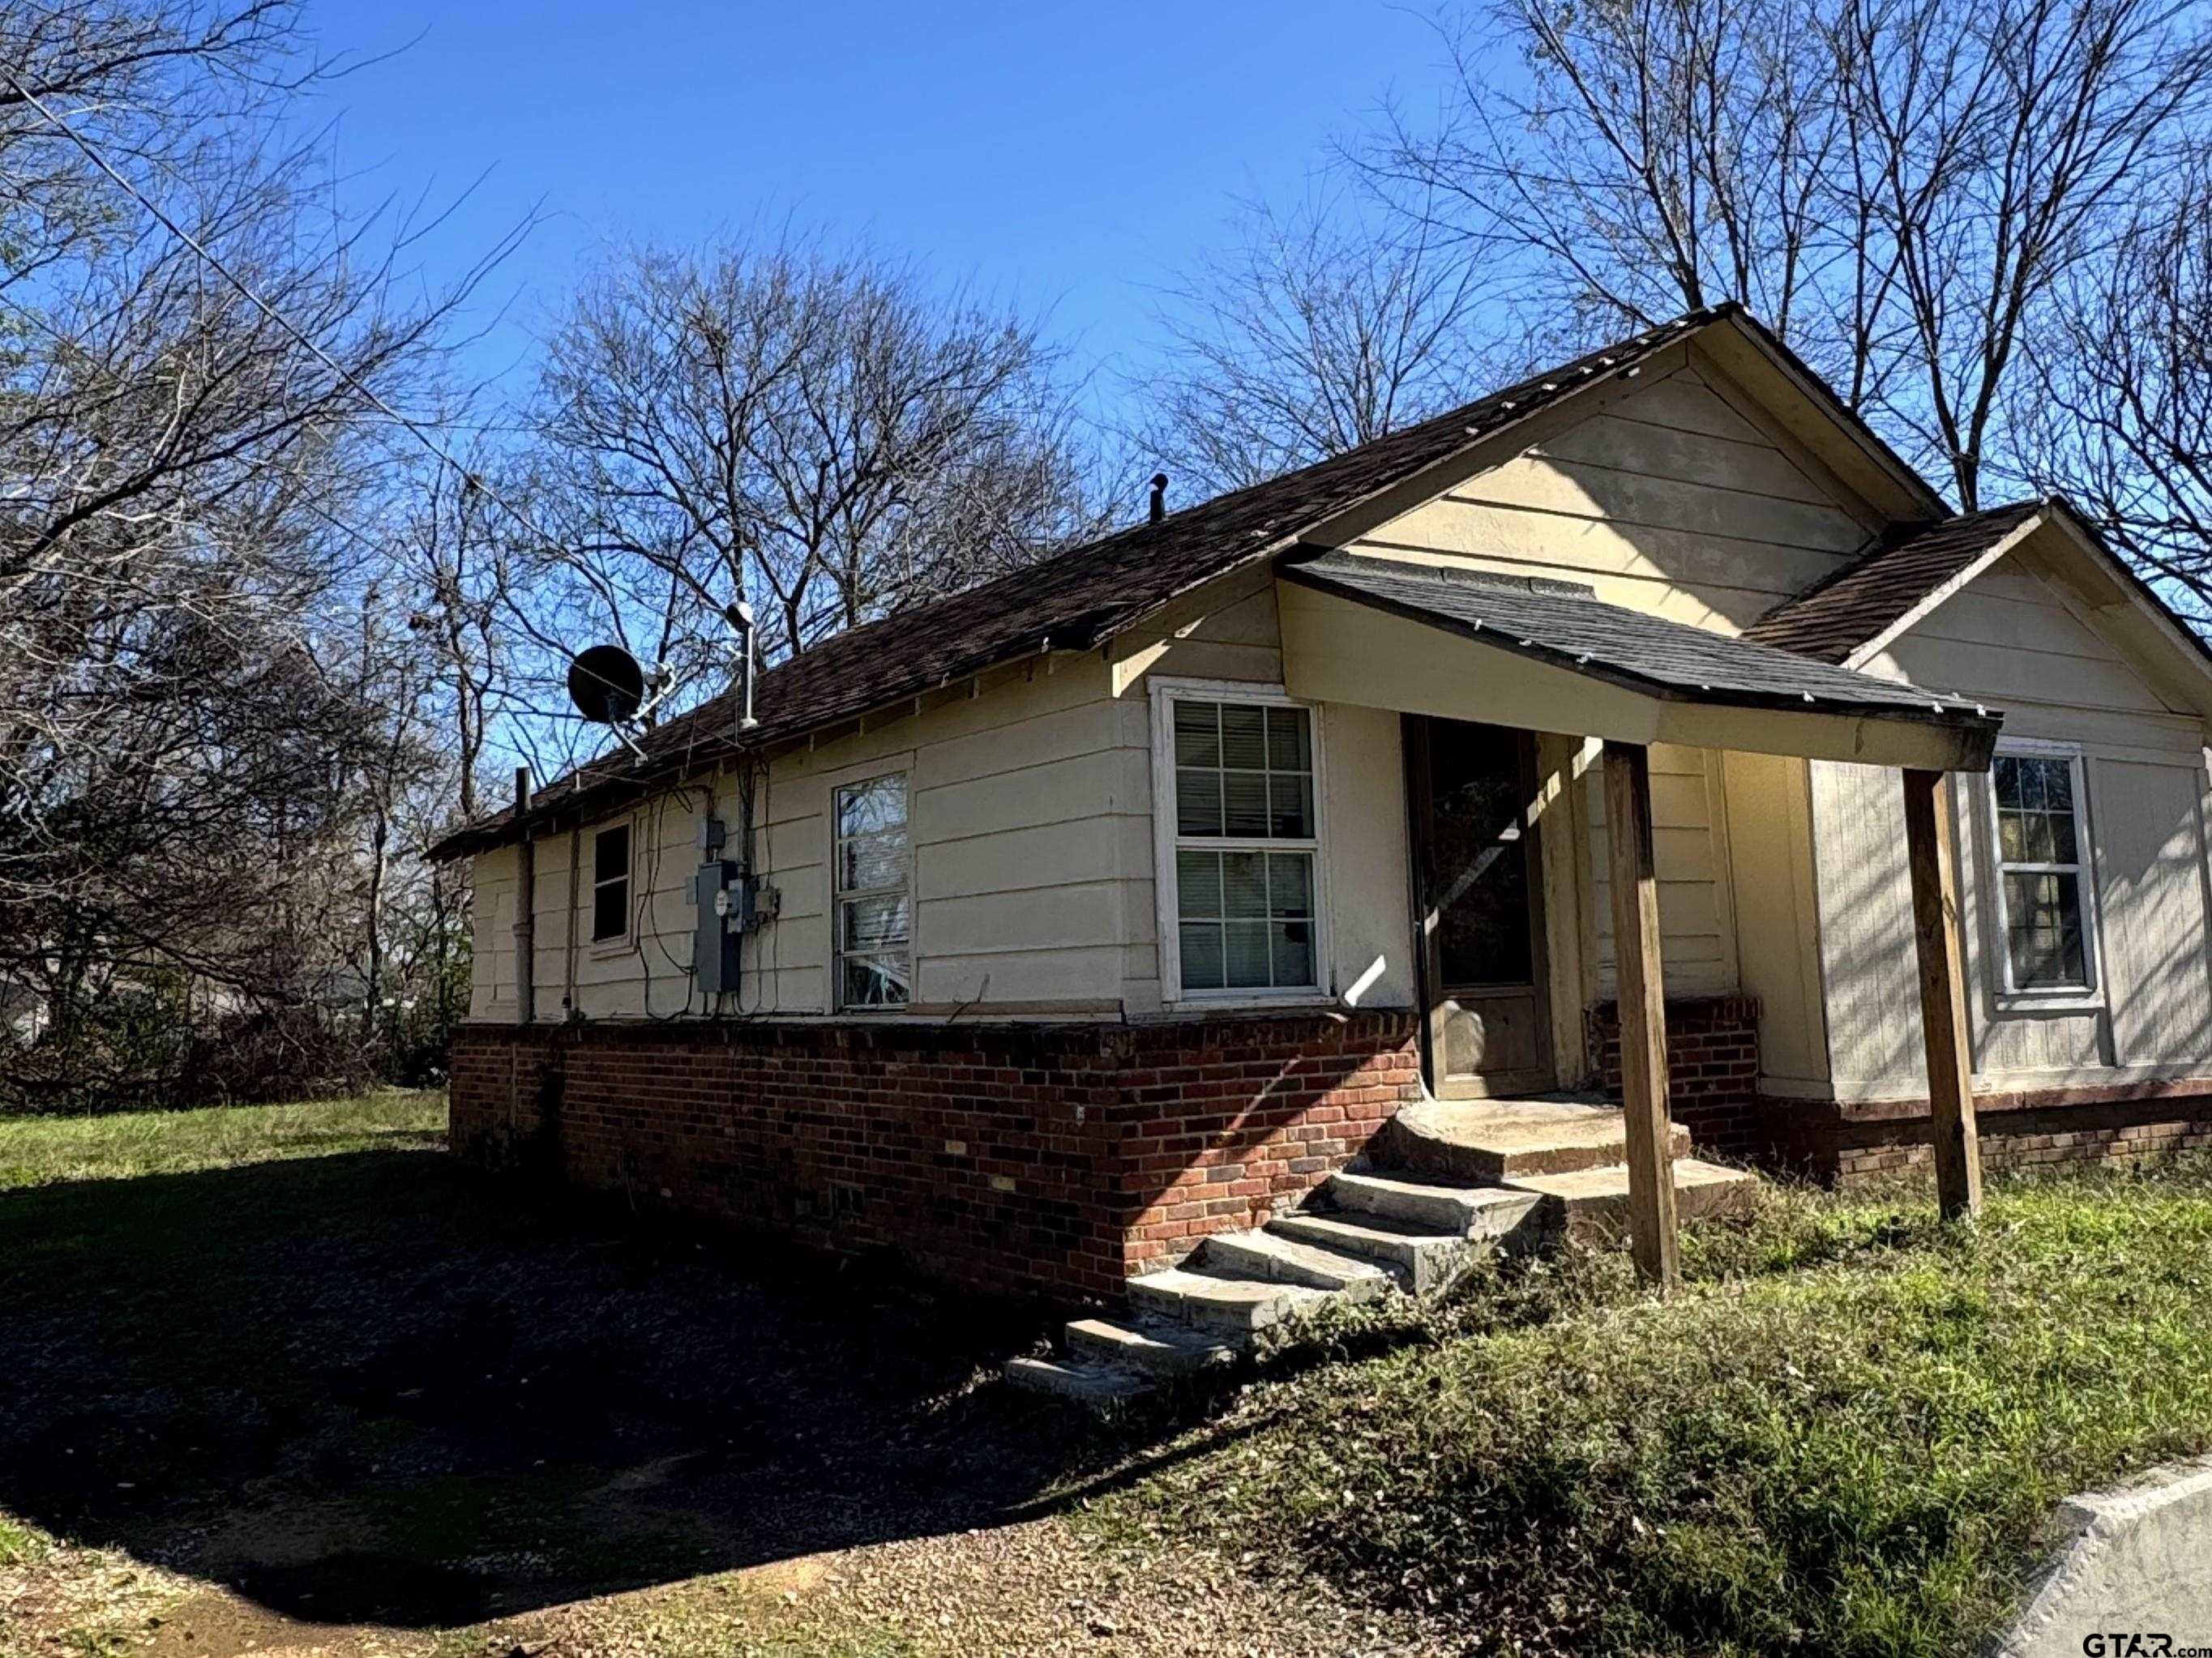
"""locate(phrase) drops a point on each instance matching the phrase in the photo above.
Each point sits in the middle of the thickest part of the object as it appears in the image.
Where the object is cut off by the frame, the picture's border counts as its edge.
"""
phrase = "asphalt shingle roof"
(1564, 625)
(1074, 600)
(1844, 611)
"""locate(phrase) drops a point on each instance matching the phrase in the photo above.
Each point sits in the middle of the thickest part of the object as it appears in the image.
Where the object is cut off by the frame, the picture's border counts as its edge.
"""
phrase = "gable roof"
(1857, 608)
(1851, 615)
(1074, 600)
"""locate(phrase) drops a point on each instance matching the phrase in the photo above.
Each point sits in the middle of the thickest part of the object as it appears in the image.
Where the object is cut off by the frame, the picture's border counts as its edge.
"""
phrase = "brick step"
(1496, 1141)
(1148, 1347)
(1421, 1258)
(1275, 1258)
(1470, 1209)
(1230, 1306)
(1087, 1381)
(1585, 1200)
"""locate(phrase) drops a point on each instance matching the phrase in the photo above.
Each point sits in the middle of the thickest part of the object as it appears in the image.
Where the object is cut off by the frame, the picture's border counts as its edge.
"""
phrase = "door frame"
(1429, 991)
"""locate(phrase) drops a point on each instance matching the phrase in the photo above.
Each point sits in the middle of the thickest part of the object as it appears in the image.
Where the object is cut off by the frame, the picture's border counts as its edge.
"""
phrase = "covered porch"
(1515, 690)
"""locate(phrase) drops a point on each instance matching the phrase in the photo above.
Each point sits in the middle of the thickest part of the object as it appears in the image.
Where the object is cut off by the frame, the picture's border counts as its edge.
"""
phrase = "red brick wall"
(1712, 1069)
(1053, 1158)
(2118, 1123)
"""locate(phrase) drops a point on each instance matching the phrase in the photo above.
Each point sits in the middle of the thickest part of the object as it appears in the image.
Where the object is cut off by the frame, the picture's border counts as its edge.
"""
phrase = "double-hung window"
(611, 885)
(1243, 903)
(2045, 905)
(874, 955)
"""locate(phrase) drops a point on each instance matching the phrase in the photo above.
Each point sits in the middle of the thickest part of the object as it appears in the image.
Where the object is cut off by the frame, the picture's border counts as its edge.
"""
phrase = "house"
(1043, 932)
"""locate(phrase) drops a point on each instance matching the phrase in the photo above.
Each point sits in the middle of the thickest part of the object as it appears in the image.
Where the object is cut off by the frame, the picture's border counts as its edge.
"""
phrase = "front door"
(1480, 907)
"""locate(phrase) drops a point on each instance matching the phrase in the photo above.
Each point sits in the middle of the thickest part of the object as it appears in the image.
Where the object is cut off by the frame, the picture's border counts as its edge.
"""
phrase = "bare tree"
(1320, 328)
(1899, 186)
(2121, 403)
(183, 484)
(818, 431)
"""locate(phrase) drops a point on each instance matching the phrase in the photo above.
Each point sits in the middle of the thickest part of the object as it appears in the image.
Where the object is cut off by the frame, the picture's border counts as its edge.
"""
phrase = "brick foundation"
(2119, 1123)
(1054, 1159)
(1712, 1070)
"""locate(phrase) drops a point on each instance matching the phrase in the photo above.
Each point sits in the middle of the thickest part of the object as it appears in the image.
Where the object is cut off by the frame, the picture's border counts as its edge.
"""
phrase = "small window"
(1244, 906)
(611, 885)
(875, 898)
(2043, 901)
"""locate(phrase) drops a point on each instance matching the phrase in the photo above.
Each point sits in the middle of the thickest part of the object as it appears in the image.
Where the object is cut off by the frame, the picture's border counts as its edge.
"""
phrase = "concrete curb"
(2137, 1561)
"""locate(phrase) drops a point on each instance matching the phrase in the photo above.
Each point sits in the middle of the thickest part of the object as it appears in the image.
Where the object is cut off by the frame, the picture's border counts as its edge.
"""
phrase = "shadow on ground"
(379, 1388)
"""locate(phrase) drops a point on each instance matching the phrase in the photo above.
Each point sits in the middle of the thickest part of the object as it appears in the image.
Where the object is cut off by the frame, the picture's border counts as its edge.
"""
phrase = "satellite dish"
(606, 684)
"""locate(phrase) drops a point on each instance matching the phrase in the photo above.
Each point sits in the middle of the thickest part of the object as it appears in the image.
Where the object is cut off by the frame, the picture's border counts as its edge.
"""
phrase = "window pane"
(1198, 884)
(872, 808)
(1244, 954)
(1244, 804)
(1293, 943)
(869, 926)
(873, 861)
(1290, 884)
(1244, 737)
(610, 854)
(1201, 956)
(1291, 802)
(1244, 884)
(872, 981)
(2058, 786)
(610, 911)
(1288, 746)
(2062, 836)
(1198, 733)
(2043, 930)
(1198, 803)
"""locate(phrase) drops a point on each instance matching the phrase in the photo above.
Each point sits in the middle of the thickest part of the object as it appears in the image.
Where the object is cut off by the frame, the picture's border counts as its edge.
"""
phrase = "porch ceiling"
(1547, 656)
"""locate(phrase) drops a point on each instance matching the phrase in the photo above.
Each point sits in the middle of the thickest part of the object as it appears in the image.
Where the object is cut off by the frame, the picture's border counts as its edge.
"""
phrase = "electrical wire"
(472, 480)
(245, 292)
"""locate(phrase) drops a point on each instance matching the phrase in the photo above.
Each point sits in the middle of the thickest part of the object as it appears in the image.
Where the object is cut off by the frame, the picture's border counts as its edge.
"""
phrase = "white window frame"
(1165, 693)
(838, 896)
(615, 943)
(2009, 995)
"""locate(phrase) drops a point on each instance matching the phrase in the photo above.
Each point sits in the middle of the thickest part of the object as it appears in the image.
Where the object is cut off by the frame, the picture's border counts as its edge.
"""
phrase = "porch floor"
(1499, 1140)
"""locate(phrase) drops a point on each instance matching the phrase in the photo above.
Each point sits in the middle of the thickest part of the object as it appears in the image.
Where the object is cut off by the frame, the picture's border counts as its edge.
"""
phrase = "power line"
(473, 480)
(470, 479)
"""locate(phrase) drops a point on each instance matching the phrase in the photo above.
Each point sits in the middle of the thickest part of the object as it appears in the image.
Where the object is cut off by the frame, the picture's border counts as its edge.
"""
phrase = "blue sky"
(1058, 156)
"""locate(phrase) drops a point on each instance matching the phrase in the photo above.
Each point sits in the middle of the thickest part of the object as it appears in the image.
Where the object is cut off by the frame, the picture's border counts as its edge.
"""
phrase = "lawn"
(1846, 1436)
(289, 1377)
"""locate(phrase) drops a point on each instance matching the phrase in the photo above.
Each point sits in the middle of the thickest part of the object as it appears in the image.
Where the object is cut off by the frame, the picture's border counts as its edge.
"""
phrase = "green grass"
(51, 1151)
(1845, 1436)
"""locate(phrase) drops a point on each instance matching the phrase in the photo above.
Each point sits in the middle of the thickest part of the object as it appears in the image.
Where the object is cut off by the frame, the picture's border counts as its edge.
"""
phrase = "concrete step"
(1086, 1381)
(1470, 1210)
(1596, 1199)
(1496, 1141)
(1421, 1258)
(1279, 1259)
(1234, 1307)
(1147, 1346)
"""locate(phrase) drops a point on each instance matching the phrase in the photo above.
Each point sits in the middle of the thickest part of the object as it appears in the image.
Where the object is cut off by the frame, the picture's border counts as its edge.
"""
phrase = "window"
(875, 901)
(2042, 854)
(611, 885)
(1242, 902)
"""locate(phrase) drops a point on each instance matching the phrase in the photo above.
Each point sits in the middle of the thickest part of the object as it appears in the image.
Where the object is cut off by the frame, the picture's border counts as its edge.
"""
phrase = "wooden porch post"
(1643, 1011)
(1931, 848)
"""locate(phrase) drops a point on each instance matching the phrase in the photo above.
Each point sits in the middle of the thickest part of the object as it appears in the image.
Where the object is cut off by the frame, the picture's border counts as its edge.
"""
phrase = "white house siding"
(2014, 639)
(1678, 497)
(1227, 631)
(1030, 800)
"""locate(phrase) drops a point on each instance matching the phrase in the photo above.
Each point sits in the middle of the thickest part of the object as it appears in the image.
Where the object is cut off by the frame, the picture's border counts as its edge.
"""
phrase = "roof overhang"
(1378, 649)
(2059, 546)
